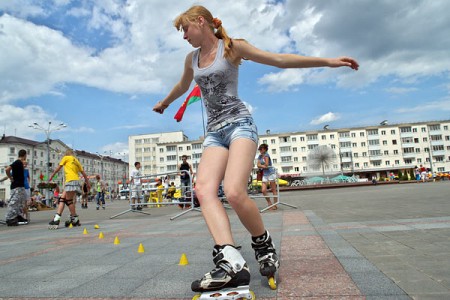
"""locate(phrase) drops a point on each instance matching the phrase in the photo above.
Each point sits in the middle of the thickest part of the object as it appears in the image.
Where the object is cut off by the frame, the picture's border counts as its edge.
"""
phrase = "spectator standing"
(16, 204)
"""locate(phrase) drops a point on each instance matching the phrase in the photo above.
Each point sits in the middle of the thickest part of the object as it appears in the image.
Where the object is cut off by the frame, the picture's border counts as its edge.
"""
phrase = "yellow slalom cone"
(141, 248)
(85, 231)
(116, 241)
(70, 226)
(100, 235)
(183, 260)
(96, 226)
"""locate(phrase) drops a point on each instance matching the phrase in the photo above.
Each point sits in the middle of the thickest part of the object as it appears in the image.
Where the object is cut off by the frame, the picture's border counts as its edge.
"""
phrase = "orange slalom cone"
(183, 260)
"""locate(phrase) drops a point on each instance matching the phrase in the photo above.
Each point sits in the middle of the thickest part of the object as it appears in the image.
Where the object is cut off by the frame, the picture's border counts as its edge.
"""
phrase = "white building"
(111, 169)
(364, 151)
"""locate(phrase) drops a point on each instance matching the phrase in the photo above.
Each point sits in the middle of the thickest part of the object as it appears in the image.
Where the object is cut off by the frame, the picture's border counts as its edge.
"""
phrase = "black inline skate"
(74, 221)
(53, 224)
(230, 278)
(267, 257)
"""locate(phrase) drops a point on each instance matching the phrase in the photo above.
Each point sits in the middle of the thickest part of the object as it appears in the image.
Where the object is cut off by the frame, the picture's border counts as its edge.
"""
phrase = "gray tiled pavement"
(393, 242)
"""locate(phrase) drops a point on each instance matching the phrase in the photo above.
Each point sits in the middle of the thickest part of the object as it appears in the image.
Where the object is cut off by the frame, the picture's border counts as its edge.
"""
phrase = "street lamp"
(48, 130)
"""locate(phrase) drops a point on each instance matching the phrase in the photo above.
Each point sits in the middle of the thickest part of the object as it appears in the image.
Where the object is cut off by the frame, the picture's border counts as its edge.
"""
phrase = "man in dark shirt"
(18, 197)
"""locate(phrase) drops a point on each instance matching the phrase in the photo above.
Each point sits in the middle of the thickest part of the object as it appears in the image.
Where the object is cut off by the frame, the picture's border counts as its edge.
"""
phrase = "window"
(424, 129)
(344, 134)
(188, 148)
(172, 168)
(305, 169)
(438, 148)
(355, 155)
(395, 151)
(363, 144)
(302, 139)
(372, 132)
(294, 139)
(311, 137)
(419, 160)
(376, 163)
(311, 147)
(374, 152)
(138, 142)
(383, 132)
(171, 157)
(345, 144)
(331, 136)
(408, 161)
(161, 159)
(387, 162)
(303, 149)
(356, 165)
(272, 141)
(294, 149)
(196, 156)
(397, 162)
(435, 127)
(297, 169)
(361, 134)
(324, 137)
(408, 150)
(161, 150)
(366, 165)
(417, 150)
(354, 145)
(386, 152)
(445, 127)
(274, 151)
(196, 146)
(284, 139)
(407, 140)
(374, 142)
(425, 139)
(264, 142)
(285, 149)
(436, 137)
(304, 158)
(286, 158)
(147, 141)
(394, 142)
(179, 149)
(393, 131)
(405, 129)
(384, 142)
(353, 134)
(274, 160)
(171, 148)
(364, 154)
(414, 130)
(439, 158)
(295, 158)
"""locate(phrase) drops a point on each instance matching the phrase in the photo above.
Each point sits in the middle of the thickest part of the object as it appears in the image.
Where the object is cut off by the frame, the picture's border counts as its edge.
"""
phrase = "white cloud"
(443, 105)
(328, 117)
(400, 90)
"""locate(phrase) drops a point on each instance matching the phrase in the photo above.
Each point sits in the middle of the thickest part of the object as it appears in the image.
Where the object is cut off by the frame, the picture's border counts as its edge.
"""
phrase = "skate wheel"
(272, 283)
(253, 295)
(196, 297)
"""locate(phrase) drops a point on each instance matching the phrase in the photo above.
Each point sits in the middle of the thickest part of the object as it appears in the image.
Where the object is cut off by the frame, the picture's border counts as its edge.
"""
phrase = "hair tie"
(216, 23)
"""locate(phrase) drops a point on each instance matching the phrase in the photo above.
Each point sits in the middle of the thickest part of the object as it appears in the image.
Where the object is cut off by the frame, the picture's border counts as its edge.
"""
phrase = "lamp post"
(48, 130)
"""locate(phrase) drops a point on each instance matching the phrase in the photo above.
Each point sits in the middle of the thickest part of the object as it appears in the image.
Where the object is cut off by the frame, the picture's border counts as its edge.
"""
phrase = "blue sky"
(100, 66)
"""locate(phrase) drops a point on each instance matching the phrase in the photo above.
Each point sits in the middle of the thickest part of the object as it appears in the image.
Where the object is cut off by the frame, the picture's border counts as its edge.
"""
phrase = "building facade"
(363, 151)
(49, 153)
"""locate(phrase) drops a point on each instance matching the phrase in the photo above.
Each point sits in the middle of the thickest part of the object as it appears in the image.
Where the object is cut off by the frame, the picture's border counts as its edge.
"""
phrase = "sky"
(100, 66)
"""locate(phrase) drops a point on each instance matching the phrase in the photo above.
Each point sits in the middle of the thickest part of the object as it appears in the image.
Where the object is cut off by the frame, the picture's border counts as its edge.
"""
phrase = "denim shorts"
(224, 136)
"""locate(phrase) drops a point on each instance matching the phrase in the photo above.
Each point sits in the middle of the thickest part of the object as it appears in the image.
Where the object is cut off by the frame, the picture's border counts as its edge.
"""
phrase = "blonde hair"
(69, 152)
(191, 15)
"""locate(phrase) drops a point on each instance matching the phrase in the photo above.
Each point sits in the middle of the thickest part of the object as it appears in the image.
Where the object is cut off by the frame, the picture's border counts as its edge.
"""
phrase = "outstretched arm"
(180, 88)
(54, 172)
(245, 50)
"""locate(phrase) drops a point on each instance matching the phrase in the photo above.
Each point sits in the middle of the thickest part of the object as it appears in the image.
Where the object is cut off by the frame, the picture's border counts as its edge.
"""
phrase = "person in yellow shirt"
(72, 169)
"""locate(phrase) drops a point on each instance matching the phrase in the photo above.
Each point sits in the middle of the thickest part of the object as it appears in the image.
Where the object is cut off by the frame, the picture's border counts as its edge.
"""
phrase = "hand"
(344, 61)
(159, 107)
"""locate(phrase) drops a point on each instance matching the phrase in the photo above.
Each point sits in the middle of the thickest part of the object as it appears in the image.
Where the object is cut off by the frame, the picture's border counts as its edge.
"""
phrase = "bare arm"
(86, 180)
(180, 88)
(245, 50)
(54, 172)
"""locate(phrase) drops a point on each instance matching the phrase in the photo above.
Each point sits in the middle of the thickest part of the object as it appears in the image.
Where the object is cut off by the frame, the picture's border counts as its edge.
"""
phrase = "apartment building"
(111, 169)
(364, 151)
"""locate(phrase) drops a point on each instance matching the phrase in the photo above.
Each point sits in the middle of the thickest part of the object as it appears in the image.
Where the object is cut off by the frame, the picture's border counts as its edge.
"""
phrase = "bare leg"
(240, 163)
(273, 186)
(210, 173)
(264, 192)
